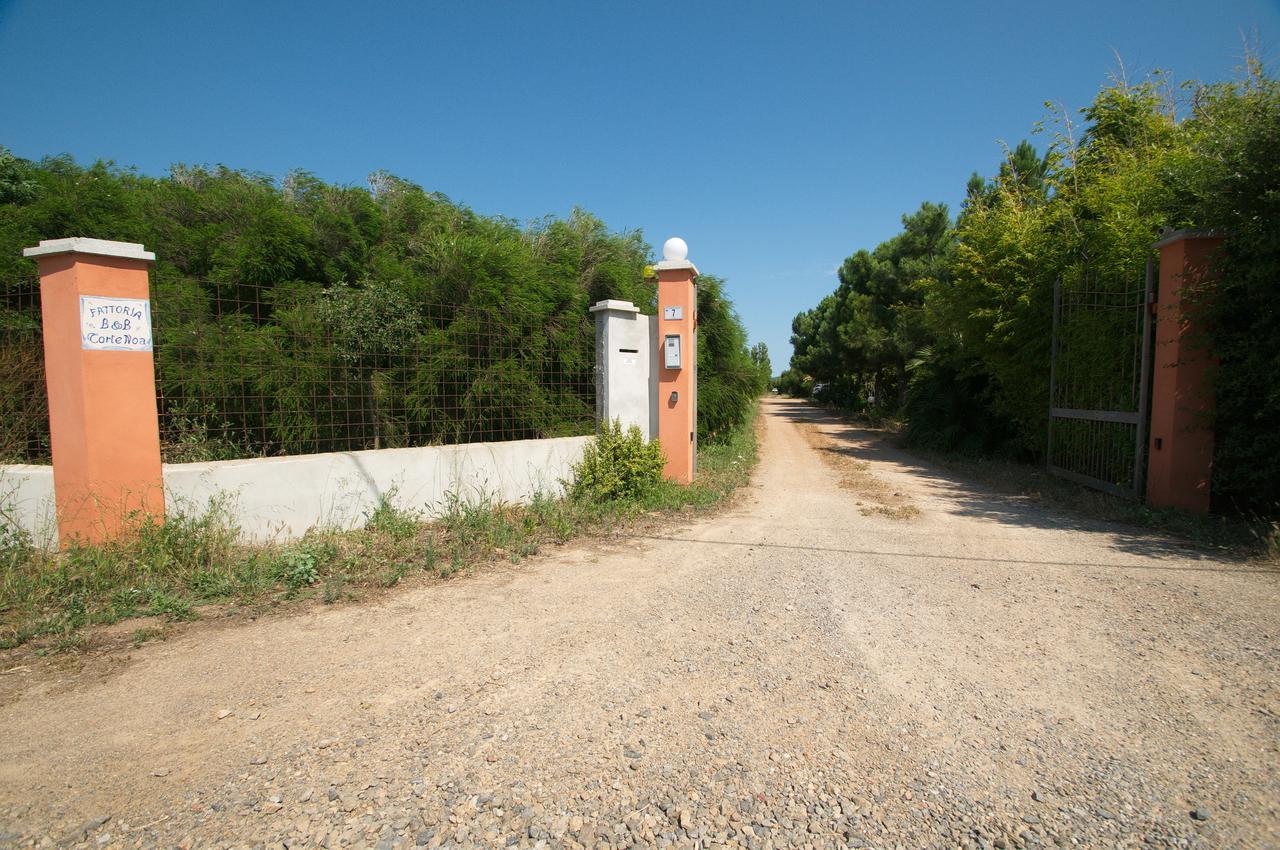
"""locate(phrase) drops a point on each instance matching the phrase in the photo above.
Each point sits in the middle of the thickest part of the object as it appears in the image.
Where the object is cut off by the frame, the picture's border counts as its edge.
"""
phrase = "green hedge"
(300, 316)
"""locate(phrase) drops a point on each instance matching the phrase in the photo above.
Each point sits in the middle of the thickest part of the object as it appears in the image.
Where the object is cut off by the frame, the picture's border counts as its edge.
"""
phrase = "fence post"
(677, 342)
(1180, 450)
(103, 427)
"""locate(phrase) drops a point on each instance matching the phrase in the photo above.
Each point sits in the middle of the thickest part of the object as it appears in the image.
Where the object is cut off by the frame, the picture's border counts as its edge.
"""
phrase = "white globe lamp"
(675, 249)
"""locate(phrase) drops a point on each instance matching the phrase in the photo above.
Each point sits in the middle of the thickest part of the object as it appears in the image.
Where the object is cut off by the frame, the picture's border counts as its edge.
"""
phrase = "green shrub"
(617, 465)
(299, 566)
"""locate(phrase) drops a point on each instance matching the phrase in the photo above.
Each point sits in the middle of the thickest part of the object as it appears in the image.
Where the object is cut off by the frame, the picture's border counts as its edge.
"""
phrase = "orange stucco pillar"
(1180, 446)
(103, 427)
(677, 341)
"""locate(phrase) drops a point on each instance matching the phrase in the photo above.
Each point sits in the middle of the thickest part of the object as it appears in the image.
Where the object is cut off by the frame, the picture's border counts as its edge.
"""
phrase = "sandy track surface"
(977, 671)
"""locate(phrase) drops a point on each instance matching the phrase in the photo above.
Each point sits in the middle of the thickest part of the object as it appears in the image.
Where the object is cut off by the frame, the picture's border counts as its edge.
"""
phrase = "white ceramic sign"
(115, 324)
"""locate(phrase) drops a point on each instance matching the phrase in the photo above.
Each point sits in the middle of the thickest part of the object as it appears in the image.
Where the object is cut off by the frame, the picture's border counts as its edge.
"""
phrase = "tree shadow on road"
(1017, 501)
(1216, 565)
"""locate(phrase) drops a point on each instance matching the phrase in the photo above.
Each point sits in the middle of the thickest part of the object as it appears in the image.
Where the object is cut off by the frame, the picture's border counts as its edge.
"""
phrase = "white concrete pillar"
(625, 356)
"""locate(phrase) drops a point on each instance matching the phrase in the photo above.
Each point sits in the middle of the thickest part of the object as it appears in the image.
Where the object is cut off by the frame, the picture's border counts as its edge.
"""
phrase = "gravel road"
(799, 671)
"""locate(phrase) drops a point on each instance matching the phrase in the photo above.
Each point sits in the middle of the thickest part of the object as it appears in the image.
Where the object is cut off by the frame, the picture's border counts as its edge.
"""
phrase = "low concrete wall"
(26, 498)
(279, 498)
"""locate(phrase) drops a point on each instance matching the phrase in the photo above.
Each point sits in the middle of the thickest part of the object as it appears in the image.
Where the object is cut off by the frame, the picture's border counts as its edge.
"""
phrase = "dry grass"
(875, 497)
(899, 512)
(193, 567)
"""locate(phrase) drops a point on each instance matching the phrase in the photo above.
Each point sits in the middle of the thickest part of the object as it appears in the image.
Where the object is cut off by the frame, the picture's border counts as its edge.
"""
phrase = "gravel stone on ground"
(977, 672)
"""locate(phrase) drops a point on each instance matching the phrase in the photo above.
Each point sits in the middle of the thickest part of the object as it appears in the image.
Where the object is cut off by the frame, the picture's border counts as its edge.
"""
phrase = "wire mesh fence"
(247, 371)
(24, 406)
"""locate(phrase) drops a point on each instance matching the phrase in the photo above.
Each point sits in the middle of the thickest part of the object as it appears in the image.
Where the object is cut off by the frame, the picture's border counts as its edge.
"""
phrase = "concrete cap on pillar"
(1170, 236)
(675, 255)
(615, 305)
(85, 245)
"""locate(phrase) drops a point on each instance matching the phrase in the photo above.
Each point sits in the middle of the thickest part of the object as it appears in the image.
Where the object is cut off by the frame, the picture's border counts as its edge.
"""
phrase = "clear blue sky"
(776, 138)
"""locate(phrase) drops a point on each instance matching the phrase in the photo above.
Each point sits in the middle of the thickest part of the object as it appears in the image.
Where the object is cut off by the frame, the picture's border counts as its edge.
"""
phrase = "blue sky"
(776, 138)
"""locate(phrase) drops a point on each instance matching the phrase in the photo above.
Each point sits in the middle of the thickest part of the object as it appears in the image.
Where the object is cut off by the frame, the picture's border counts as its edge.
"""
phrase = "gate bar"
(1128, 417)
(1053, 365)
(1144, 385)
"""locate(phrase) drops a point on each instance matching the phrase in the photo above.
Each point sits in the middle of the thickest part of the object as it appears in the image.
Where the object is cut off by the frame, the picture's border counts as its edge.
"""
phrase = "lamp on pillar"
(677, 339)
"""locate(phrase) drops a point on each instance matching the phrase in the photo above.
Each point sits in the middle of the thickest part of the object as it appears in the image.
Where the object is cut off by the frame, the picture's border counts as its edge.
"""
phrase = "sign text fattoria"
(115, 324)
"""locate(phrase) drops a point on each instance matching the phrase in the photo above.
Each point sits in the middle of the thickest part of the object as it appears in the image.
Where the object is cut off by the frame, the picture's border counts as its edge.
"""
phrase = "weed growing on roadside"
(169, 570)
(395, 522)
(67, 643)
(15, 542)
(617, 465)
(176, 608)
(430, 556)
(141, 636)
(397, 571)
(334, 588)
(299, 566)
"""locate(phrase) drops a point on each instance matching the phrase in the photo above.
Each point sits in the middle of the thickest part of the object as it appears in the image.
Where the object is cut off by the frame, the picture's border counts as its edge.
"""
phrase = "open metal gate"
(1099, 376)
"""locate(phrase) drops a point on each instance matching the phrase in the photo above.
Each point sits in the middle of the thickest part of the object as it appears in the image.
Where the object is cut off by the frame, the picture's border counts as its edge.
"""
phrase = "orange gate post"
(677, 341)
(1180, 445)
(103, 427)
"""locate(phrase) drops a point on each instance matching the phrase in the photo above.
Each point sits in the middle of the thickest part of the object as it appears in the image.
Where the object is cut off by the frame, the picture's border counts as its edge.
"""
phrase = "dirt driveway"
(964, 670)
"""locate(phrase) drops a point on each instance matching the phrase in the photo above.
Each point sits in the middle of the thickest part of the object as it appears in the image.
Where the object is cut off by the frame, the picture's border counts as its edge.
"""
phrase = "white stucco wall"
(26, 498)
(280, 498)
